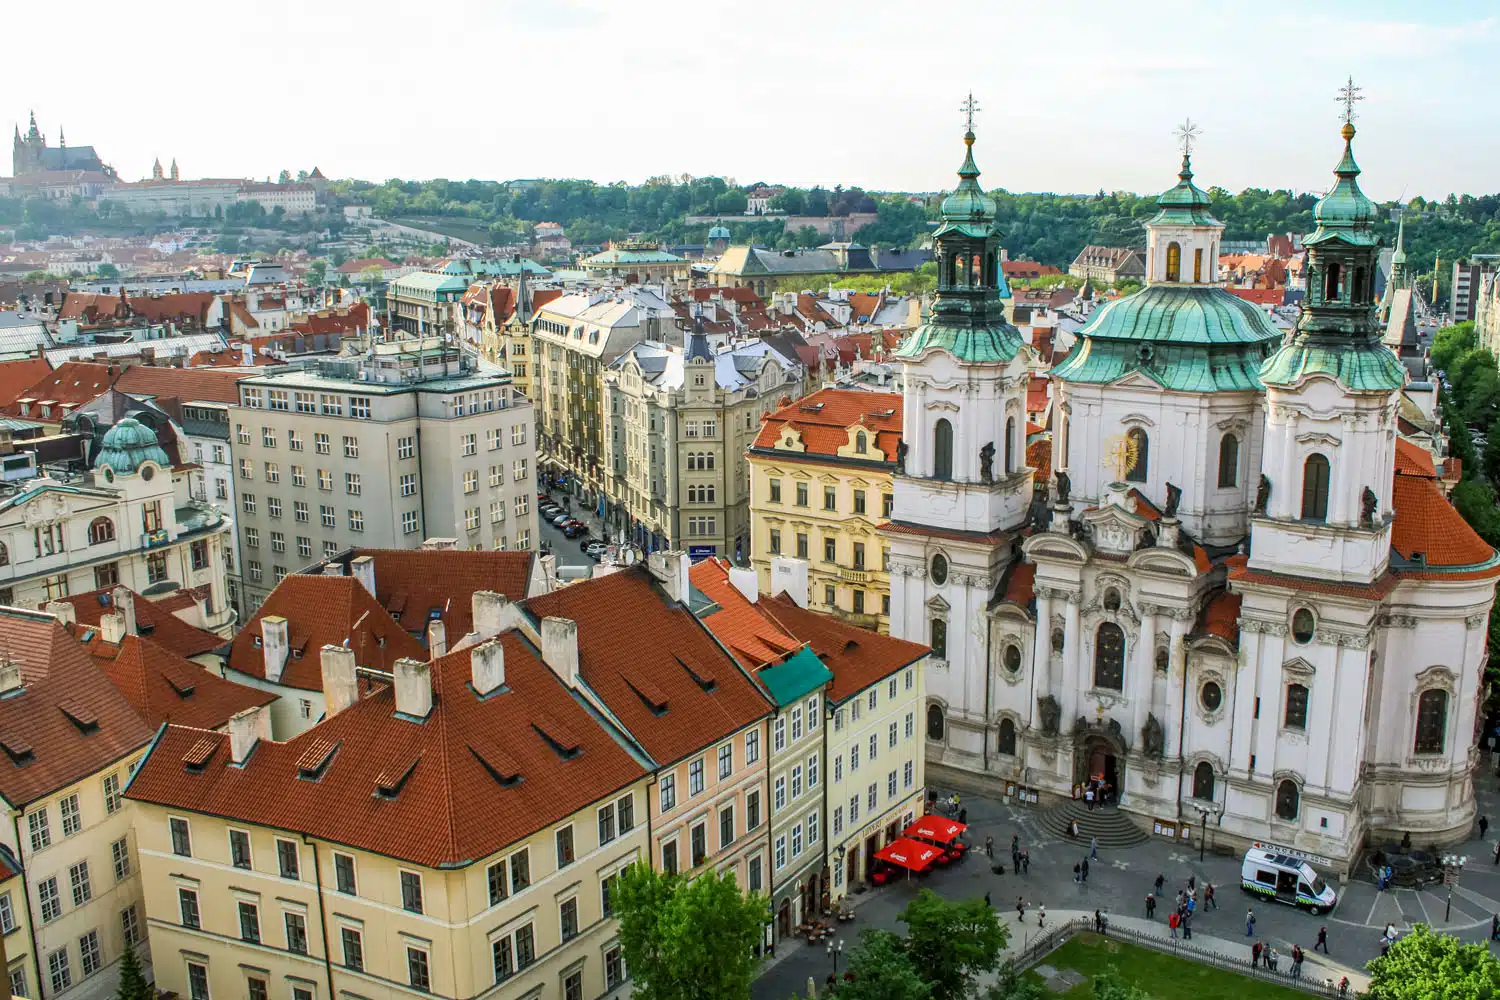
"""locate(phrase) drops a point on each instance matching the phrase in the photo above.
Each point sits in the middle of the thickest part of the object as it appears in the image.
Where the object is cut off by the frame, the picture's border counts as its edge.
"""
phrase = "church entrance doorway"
(1102, 768)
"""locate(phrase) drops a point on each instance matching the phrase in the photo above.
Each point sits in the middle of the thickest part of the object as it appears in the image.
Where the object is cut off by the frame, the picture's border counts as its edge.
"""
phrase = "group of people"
(1020, 857)
(1184, 908)
(1097, 790)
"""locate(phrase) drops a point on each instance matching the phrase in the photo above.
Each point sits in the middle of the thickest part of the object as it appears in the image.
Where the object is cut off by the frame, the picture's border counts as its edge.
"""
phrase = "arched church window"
(937, 638)
(1010, 444)
(1331, 283)
(102, 529)
(1109, 657)
(1315, 473)
(1007, 737)
(1197, 265)
(1229, 461)
(942, 450)
(1203, 781)
(1296, 707)
(1432, 721)
(1288, 799)
(960, 269)
(1357, 293)
(1174, 261)
(1141, 452)
(935, 723)
(861, 442)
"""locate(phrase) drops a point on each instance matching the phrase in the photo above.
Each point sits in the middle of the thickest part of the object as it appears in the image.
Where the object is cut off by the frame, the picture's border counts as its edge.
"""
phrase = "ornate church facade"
(1247, 604)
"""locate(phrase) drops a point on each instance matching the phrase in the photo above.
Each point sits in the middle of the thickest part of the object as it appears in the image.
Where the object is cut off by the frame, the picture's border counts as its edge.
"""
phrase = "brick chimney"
(246, 729)
(275, 644)
(125, 607)
(112, 629)
(63, 611)
(487, 667)
(413, 688)
(340, 684)
(437, 639)
(560, 648)
(362, 568)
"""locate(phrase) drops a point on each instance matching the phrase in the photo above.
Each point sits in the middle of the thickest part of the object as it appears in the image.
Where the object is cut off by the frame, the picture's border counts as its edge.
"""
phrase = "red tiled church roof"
(823, 417)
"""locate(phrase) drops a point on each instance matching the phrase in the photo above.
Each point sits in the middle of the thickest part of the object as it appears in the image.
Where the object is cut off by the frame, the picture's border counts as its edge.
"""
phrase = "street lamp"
(1453, 866)
(834, 953)
(1203, 812)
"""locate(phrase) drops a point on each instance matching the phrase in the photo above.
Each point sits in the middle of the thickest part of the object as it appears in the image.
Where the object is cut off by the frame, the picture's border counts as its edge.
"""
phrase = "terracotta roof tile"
(858, 657)
(411, 583)
(75, 382)
(322, 611)
(186, 384)
(153, 618)
(1221, 617)
(630, 635)
(1039, 458)
(1020, 584)
(1413, 460)
(164, 687)
(1426, 524)
(338, 322)
(48, 750)
(452, 804)
(17, 376)
(823, 416)
(753, 638)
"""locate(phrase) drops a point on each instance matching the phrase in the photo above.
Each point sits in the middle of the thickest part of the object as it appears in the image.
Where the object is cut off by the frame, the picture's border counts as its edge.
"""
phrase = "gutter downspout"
(36, 960)
(322, 916)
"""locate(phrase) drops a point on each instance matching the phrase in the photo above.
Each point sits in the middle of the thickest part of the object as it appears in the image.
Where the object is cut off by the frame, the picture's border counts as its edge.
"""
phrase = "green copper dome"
(1362, 368)
(968, 207)
(1184, 337)
(1344, 213)
(1184, 204)
(128, 444)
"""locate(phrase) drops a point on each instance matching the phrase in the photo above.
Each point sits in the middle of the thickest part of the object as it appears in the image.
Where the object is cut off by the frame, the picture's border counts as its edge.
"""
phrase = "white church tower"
(962, 489)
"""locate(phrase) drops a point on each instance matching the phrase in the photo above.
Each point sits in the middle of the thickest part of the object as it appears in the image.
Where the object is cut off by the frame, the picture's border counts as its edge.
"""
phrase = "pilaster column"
(1176, 691)
(1286, 507)
(1245, 683)
(1072, 656)
(1041, 653)
(1142, 673)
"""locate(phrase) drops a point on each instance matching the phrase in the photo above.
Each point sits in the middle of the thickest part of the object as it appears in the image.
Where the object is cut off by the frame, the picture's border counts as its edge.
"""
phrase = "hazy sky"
(1076, 95)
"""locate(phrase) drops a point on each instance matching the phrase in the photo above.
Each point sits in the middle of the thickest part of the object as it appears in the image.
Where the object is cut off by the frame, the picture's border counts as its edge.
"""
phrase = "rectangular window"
(853, 809)
(890, 784)
(405, 447)
(278, 399)
(726, 761)
(471, 481)
(247, 471)
(518, 470)
(614, 968)
(872, 795)
(859, 501)
(778, 794)
(775, 496)
(874, 746)
(356, 520)
(698, 841)
(40, 829)
(838, 821)
(778, 735)
(119, 853)
(304, 546)
(801, 502)
(50, 898)
(854, 756)
(351, 447)
(72, 817)
(247, 501)
(830, 549)
(518, 434)
(62, 975)
(409, 484)
(908, 774)
(252, 538)
(796, 724)
(775, 542)
(525, 947)
(278, 541)
(520, 871)
(812, 828)
(802, 545)
(838, 768)
(669, 857)
(296, 933)
(320, 443)
(797, 841)
(666, 792)
(18, 981)
(273, 472)
(411, 892)
(564, 841)
(625, 814)
(796, 781)
(830, 498)
(752, 809)
(328, 516)
(249, 922)
(752, 746)
(891, 735)
(695, 777)
(568, 918)
(7, 914)
(503, 960)
(182, 841)
(911, 725)
(606, 824)
(755, 879)
(268, 437)
(781, 852)
(333, 406)
(408, 522)
(352, 484)
(287, 860)
(354, 948)
(469, 445)
(300, 510)
(359, 407)
(299, 476)
(495, 878)
(726, 826)
(417, 972)
(293, 440)
(812, 772)
(187, 906)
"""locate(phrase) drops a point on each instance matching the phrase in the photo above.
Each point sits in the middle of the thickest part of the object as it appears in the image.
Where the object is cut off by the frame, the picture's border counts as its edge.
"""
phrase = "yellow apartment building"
(453, 834)
(71, 739)
(820, 486)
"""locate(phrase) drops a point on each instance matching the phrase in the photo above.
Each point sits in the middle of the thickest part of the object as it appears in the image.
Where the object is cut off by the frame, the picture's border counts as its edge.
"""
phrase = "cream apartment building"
(680, 420)
(820, 487)
(71, 739)
(454, 834)
(409, 441)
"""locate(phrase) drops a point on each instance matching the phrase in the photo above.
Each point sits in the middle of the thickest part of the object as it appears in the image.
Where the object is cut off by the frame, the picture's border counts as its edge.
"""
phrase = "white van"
(1285, 875)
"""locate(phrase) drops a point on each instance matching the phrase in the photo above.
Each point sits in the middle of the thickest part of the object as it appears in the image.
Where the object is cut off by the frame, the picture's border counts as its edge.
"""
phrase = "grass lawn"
(1162, 976)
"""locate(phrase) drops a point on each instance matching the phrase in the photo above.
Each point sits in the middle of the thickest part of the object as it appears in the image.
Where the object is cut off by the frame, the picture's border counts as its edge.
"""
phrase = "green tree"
(687, 939)
(1109, 985)
(107, 272)
(1425, 965)
(317, 271)
(883, 970)
(1452, 342)
(133, 985)
(1011, 985)
(952, 941)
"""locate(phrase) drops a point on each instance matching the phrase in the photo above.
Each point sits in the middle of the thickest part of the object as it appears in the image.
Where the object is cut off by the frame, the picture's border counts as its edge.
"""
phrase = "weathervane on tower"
(969, 108)
(1187, 133)
(1348, 95)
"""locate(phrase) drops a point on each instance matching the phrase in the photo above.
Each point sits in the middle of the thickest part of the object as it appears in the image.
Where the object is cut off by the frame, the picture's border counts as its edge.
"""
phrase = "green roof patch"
(794, 678)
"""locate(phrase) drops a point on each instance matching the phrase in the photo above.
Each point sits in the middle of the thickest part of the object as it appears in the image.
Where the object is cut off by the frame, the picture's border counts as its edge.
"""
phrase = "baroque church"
(1246, 602)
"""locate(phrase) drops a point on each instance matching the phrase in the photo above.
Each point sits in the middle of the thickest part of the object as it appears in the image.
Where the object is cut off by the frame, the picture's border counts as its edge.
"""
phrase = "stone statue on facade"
(987, 463)
(1174, 498)
(901, 457)
(1263, 494)
(1050, 712)
(1368, 501)
(1064, 486)
(1153, 737)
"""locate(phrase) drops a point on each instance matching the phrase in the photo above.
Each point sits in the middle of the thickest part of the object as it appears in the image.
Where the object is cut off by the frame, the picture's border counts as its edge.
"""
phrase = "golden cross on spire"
(969, 107)
(1348, 95)
(1187, 133)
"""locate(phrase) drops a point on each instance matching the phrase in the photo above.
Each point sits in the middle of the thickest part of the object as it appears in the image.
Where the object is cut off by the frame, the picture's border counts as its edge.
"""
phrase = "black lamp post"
(1453, 866)
(834, 953)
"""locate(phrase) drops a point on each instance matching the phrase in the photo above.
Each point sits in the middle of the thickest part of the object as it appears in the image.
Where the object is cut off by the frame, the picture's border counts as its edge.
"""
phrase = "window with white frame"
(812, 772)
(726, 760)
(408, 484)
(408, 522)
(752, 746)
(778, 795)
(778, 735)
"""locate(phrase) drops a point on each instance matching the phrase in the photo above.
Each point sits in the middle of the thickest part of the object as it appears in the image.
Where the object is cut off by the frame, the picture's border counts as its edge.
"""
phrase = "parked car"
(595, 549)
(575, 529)
(559, 520)
(585, 542)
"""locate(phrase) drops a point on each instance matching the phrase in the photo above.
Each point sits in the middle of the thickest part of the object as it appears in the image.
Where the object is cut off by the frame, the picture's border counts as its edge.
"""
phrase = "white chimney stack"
(746, 581)
(125, 606)
(247, 353)
(437, 639)
(246, 729)
(340, 685)
(413, 688)
(362, 568)
(789, 576)
(487, 667)
(275, 645)
(63, 611)
(112, 628)
(671, 570)
(560, 648)
(10, 674)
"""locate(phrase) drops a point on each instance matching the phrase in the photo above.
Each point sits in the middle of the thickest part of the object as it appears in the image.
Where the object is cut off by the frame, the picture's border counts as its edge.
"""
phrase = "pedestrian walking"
(1094, 848)
(1020, 909)
(1495, 927)
(1484, 825)
(1208, 897)
(989, 847)
(1249, 922)
(963, 816)
(1187, 926)
(1297, 957)
(1192, 905)
(1322, 940)
(1497, 852)
(1041, 914)
(1026, 862)
(1344, 987)
(1088, 797)
(1151, 907)
(1181, 897)
(1098, 922)
(1015, 860)
(1192, 883)
(987, 901)
(1085, 869)
(1255, 954)
(1161, 880)
(1077, 869)
(1172, 923)
(1015, 842)
(1274, 961)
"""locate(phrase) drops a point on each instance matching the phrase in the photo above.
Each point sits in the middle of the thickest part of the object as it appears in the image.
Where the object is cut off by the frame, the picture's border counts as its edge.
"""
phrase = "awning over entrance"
(909, 854)
(936, 829)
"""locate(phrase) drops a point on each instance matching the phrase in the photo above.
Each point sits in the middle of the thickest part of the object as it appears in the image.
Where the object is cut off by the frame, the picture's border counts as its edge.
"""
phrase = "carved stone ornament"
(901, 449)
(987, 463)
(1263, 494)
(1476, 621)
(1064, 487)
(1174, 498)
(1050, 712)
(1367, 504)
(1262, 627)
(1338, 637)
(1398, 621)
(45, 510)
(1153, 737)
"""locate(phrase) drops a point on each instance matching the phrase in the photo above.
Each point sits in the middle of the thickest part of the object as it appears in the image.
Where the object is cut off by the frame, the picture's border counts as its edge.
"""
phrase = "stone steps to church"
(1109, 825)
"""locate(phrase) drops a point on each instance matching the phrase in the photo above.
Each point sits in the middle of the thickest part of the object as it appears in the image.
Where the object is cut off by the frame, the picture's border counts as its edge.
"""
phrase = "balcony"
(857, 618)
(850, 575)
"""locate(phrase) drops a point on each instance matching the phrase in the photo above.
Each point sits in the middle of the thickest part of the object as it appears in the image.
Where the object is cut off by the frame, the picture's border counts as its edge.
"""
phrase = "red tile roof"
(478, 775)
(410, 583)
(1240, 572)
(902, 528)
(1039, 457)
(823, 417)
(186, 384)
(541, 296)
(858, 657)
(1413, 460)
(339, 322)
(153, 619)
(1260, 296)
(164, 687)
(752, 637)
(1426, 524)
(356, 266)
(68, 721)
(229, 357)
(17, 376)
(1221, 617)
(75, 382)
(635, 646)
(189, 307)
(322, 611)
(1020, 583)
